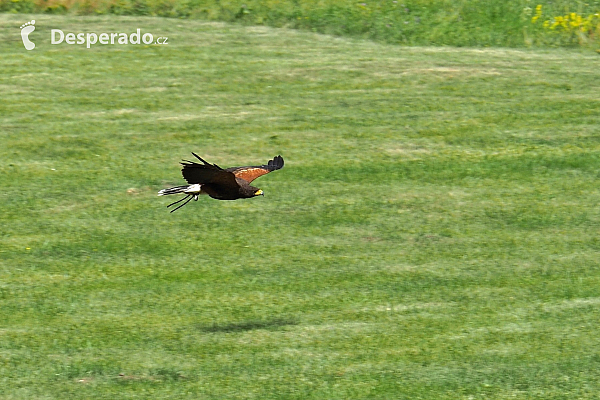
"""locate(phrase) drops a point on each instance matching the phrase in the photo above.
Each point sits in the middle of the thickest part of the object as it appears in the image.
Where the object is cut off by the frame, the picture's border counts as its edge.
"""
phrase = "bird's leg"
(188, 200)
(175, 202)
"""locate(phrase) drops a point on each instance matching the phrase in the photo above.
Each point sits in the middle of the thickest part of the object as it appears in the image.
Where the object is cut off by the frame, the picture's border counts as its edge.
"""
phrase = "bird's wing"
(250, 173)
(194, 172)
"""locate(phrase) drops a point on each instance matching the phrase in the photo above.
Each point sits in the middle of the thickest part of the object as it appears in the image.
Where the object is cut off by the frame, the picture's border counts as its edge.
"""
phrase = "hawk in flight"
(221, 184)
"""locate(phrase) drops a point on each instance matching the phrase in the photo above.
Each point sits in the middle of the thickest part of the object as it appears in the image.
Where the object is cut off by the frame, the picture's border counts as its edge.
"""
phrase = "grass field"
(433, 235)
(484, 23)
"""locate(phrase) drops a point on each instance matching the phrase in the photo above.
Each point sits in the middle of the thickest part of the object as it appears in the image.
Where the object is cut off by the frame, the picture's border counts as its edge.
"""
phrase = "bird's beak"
(259, 192)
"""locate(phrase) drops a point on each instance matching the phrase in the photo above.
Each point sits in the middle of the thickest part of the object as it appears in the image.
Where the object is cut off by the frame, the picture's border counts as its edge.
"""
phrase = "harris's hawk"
(221, 184)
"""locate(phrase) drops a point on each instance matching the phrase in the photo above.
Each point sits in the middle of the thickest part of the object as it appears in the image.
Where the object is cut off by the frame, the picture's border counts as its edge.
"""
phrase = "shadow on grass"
(249, 325)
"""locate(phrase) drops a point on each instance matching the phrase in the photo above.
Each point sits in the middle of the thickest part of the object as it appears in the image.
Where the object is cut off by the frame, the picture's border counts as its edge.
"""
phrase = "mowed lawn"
(433, 235)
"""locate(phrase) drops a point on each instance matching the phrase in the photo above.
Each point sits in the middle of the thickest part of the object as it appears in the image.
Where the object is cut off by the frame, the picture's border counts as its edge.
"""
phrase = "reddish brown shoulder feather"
(252, 172)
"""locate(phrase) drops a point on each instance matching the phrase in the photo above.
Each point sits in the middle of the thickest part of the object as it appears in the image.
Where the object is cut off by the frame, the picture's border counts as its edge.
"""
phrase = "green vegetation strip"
(507, 23)
(433, 235)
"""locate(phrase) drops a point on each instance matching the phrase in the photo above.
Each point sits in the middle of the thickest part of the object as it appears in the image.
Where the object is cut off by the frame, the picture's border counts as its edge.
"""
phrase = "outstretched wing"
(250, 173)
(194, 172)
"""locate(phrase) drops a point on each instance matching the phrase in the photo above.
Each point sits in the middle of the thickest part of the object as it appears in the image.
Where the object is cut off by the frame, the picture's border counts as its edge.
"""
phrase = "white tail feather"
(194, 190)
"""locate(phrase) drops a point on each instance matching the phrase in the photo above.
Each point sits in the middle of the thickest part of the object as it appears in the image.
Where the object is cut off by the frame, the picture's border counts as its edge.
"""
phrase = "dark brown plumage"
(221, 184)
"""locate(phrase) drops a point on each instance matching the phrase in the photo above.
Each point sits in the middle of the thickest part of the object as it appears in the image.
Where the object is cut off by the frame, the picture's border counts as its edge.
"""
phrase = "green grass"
(433, 234)
(505, 23)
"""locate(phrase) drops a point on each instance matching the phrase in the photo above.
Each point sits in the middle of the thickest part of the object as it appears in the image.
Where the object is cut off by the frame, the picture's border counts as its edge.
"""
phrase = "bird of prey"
(221, 184)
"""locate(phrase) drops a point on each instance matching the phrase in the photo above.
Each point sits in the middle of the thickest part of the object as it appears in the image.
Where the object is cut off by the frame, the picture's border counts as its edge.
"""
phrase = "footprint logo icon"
(26, 29)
